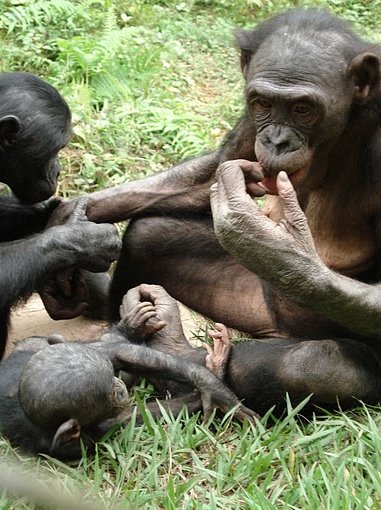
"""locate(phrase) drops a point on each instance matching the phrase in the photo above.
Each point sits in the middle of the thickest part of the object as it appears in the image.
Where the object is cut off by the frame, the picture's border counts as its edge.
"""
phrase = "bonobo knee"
(145, 235)
(326, 369)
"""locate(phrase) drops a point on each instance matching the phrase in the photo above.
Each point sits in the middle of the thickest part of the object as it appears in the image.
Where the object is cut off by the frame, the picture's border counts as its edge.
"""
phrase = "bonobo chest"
(345, 243)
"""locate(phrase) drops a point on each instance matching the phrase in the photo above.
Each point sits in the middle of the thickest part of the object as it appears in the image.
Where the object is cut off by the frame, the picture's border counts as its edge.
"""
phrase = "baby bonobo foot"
(217, 361)
(138, 319)
(218, 356)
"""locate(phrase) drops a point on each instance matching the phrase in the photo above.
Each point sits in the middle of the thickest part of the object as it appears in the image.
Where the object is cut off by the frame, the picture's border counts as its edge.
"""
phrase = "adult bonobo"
(313, 109)
(35, 123)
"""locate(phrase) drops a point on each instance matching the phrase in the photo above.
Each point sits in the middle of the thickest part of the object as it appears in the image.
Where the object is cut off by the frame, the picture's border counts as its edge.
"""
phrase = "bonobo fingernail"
(283, 176)
(213, 187)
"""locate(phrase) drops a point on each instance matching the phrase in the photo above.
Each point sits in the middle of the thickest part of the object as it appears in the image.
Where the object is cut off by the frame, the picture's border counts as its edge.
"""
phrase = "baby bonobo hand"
(138, 318)
(218, 356)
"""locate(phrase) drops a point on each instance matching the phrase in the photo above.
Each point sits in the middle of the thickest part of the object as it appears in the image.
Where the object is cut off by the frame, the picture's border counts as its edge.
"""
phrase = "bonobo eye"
(304, 112)
(260, 104)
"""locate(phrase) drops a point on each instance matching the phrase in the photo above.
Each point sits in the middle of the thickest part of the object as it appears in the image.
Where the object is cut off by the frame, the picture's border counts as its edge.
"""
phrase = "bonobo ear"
(10, 125)
(244, 41)
(67, 434)
(365, 72)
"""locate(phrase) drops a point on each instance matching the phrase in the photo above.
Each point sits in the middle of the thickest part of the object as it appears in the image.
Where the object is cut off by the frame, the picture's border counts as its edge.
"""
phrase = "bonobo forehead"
(302, 59)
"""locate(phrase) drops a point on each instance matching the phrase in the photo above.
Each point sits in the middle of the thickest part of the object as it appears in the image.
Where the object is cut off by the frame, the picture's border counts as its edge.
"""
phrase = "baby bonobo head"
(68, 389)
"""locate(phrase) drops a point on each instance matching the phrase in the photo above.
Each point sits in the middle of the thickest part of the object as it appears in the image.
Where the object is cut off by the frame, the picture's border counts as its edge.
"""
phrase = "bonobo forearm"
(184, 188)
(352, 304)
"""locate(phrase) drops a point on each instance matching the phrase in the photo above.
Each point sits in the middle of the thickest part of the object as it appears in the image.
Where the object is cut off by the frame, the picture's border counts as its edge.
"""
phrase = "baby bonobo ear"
(10, 125)
(66, 441)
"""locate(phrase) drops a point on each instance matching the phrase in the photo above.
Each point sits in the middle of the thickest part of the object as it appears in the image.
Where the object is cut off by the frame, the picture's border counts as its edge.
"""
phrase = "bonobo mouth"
(269, 183)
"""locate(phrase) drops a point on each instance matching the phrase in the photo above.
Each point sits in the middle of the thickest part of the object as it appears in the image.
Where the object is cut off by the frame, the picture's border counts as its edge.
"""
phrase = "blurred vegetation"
(149, 82)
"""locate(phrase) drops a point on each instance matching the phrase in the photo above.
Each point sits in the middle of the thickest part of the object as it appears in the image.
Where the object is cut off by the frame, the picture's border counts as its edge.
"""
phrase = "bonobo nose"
(280, 140)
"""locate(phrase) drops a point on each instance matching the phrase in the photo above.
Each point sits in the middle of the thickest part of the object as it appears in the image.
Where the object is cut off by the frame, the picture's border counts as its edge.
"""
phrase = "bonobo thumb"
(79, 212)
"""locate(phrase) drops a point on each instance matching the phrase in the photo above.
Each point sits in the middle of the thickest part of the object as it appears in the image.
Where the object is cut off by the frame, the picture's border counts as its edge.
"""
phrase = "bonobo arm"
(185, 187)
(284, 253)
(18, 220)
(144, 361)
(25, 264)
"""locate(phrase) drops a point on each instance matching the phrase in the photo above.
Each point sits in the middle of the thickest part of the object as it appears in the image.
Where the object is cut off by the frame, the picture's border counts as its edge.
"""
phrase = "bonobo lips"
(269, 183)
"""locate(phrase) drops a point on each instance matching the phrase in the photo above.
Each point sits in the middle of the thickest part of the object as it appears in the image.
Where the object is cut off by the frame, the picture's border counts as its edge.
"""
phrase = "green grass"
(150, 82)
(330, 463)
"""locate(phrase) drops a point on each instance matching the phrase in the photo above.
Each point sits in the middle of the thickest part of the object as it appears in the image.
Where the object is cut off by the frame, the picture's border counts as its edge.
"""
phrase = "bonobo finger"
(243, 413)
(154, 293)
(254, 190)
(130, 300)
(79, 212)
(231, 180)
(291, 208)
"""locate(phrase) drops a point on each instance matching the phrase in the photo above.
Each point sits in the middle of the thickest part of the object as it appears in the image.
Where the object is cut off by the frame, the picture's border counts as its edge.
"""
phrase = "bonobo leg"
(332, 371)
(261, 372)
(185, 257)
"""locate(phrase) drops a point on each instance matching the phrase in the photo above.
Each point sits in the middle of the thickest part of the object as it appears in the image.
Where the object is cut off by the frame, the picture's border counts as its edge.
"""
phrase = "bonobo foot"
(218, 356)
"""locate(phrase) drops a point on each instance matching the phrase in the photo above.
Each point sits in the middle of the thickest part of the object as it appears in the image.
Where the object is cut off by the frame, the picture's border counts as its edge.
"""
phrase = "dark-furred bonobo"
(35, 123)
(262, 371)
(55, 394)
(313, 109)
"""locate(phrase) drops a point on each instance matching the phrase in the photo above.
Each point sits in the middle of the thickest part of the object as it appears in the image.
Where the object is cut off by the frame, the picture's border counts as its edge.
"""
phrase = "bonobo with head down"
(35, 123)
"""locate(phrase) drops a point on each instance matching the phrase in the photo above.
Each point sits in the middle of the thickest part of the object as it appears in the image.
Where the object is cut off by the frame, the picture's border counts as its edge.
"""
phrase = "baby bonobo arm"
(149, 362)
(218, 356)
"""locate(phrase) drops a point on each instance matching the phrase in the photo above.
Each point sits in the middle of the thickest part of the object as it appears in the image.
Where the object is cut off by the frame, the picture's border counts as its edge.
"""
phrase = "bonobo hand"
(63, 212)
(253, 173)
(164, 311)
(138, 317)
(282, 253)
(46, 208)
(86, 244)
(65, 294)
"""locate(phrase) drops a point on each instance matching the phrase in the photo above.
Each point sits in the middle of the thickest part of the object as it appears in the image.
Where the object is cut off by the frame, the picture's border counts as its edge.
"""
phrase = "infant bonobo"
(262, 372)
(57, 398)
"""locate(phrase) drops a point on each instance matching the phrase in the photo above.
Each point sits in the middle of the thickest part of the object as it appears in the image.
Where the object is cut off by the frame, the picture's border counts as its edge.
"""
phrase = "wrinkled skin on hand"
(161, 311)
(95, 247)
(65, 295)
(283, 253)
(62, 213)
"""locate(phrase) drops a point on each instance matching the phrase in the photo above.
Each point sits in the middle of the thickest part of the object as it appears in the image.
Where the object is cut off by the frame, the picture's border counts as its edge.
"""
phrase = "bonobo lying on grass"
(53, 394)
(261, 372)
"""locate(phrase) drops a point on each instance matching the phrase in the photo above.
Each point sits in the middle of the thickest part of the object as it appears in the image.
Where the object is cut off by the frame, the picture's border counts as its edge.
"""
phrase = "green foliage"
(331, 463)
(149, 82)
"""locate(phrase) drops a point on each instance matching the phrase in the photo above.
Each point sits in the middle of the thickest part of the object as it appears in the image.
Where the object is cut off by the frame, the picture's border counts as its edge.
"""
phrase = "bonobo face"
(299, 96)
(31, 169)
(35, 124)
